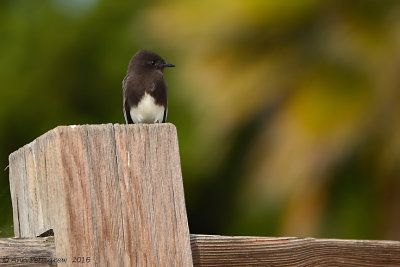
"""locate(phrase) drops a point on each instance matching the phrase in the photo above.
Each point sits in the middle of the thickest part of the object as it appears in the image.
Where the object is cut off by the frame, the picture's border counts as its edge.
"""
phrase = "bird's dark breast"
(159, 91)
(153, 84)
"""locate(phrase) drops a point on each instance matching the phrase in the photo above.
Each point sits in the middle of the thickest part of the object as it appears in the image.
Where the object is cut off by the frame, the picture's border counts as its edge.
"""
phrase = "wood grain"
(211, 250)
(27, 252)
(113, 193)
(214, 250)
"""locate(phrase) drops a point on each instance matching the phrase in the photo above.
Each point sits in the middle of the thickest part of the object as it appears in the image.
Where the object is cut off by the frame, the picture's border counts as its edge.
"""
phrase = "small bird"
(144, 89)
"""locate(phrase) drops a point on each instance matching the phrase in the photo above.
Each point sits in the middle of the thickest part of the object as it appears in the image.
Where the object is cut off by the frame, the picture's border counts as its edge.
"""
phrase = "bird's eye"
(153, 62)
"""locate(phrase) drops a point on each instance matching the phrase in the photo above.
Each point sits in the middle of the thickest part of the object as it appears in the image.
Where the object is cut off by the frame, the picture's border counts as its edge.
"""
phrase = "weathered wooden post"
(112, 194)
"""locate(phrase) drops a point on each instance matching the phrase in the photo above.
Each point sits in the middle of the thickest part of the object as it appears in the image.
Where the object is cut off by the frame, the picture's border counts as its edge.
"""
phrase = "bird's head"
(148, 60)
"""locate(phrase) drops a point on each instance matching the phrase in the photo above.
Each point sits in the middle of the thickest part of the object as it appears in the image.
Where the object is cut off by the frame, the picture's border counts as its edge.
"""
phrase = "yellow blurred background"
(288, 112)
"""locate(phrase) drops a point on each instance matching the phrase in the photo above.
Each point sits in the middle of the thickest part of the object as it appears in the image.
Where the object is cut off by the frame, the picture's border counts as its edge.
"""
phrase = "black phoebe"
(145, 90)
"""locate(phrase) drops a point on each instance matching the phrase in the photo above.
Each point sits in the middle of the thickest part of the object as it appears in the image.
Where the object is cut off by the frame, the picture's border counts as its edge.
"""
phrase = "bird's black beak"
(168, 65)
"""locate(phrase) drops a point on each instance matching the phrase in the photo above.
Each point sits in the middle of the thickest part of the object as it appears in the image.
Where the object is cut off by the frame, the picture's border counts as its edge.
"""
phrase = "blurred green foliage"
(288, 113)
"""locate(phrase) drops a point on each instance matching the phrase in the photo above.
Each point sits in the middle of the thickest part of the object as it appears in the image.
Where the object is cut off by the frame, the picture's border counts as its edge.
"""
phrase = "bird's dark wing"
(165, 114)
(127, 114)
(126, 108)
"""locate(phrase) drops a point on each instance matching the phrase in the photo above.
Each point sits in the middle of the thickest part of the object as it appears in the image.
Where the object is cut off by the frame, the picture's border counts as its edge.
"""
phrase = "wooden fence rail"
(213, 250)
(112, 195)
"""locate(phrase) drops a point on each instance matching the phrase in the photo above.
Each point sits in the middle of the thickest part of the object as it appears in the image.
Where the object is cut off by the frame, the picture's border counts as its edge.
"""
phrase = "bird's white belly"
(147, 111)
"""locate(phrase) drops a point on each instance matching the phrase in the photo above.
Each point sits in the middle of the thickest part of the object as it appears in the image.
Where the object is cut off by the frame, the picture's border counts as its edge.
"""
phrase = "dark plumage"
(144, 89)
